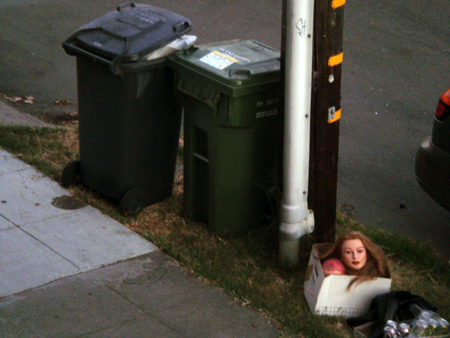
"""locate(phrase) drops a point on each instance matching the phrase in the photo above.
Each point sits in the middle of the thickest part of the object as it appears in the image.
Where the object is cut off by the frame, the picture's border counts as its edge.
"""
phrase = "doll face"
(353, 254)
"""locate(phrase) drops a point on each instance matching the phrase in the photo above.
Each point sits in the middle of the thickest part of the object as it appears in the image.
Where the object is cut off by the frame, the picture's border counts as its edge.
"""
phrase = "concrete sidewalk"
(67, 270)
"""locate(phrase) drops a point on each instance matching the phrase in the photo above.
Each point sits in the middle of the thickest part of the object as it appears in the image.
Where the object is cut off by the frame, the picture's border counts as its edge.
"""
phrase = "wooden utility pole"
(326, 112)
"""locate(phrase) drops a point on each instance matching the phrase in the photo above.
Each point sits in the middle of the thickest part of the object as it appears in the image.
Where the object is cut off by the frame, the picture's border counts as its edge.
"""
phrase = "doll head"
(360, 255)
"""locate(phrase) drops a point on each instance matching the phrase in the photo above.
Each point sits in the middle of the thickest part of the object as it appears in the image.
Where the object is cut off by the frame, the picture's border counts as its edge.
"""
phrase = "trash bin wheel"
(71, 174)
(131, 202)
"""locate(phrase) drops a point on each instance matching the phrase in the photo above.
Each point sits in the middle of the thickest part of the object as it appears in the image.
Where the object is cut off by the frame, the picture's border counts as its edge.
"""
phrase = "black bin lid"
(125, 35)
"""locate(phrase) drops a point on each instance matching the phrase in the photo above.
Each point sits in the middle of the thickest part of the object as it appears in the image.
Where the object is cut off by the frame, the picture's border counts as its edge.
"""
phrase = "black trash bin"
(129, 119)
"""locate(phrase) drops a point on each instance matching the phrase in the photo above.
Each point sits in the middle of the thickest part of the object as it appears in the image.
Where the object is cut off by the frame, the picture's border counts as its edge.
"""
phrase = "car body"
(432, 165)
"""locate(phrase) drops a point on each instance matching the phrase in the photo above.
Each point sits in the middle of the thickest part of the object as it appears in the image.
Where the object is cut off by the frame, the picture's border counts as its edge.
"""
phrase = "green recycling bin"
(230, 93)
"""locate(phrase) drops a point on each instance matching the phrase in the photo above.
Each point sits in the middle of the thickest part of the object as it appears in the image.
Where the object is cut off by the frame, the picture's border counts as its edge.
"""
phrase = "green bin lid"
(234, 63)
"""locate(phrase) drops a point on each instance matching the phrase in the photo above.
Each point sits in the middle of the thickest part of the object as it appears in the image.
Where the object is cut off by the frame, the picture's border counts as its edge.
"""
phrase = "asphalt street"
(394, 71)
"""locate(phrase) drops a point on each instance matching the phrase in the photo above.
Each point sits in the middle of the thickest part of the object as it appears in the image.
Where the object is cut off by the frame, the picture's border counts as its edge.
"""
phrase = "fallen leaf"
(29, 99)
(13, 99)
(62, 103)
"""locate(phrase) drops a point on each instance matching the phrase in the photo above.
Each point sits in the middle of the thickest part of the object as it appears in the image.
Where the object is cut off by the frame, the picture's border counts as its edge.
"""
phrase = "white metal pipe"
(296, 219)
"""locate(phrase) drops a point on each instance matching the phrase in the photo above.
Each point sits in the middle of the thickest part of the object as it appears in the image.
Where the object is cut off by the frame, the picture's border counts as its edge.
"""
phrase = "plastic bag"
(183, 42)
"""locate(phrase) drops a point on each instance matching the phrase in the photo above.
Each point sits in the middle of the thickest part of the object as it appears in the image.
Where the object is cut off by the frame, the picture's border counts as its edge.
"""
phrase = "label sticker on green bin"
(218, 60)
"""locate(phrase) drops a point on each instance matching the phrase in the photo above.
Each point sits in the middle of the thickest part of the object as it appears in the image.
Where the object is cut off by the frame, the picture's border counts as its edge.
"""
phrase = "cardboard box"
(329, 295)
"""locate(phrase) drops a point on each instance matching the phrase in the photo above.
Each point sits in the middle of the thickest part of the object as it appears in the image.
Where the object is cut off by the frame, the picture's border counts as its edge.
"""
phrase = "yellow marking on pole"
(335, 60)
(337, 3)
(336, 117)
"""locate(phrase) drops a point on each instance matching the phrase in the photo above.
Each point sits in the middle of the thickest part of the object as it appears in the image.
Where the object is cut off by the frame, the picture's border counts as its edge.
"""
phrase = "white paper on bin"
(183, 42)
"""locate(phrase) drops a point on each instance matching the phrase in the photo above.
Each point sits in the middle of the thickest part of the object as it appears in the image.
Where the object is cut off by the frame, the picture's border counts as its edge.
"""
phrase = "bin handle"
(115, 63)
(240, 73)
(180, 26)
(120, 7)
(71, 48)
